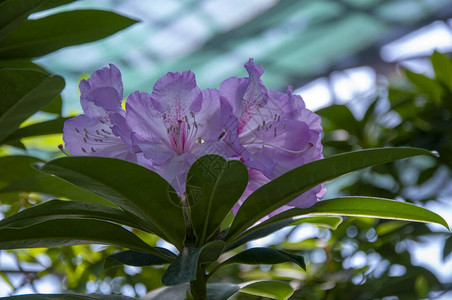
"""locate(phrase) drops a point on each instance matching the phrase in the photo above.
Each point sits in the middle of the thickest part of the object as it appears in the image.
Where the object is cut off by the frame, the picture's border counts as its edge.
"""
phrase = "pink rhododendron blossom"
(275, 132)
(92, 132)
(168, 129)
(175, 125)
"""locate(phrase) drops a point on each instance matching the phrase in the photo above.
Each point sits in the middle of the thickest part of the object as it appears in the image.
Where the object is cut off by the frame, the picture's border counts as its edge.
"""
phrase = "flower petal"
(245, 95)
(178, 94)
(88, 136)
(102, 91)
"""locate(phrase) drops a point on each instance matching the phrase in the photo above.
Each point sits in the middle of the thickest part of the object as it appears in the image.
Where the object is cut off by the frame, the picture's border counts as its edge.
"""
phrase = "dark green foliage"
(42, 36)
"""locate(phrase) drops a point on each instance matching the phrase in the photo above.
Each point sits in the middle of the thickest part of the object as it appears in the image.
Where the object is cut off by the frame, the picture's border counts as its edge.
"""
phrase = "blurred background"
(348, 59)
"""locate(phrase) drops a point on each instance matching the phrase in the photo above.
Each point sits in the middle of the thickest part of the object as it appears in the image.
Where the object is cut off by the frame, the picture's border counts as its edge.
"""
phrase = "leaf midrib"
(209, 207)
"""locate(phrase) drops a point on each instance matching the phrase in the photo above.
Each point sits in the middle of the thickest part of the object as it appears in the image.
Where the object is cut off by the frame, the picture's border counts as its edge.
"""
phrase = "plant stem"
(198, 287)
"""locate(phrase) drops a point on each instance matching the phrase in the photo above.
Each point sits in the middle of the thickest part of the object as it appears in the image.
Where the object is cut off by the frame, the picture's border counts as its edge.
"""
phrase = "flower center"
(183, 134)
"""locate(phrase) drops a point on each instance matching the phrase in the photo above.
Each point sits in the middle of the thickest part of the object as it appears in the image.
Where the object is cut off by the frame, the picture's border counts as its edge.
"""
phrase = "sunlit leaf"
(273, 289)
(285, 188)
(360, 207)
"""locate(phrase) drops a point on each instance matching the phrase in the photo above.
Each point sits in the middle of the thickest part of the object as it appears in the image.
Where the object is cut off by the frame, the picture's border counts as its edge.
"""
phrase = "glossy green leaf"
(442, 65)
(24, 92)
(137, 258)
(17, 175)
(184, 267)
(215, 291)
(273, 289)
(135, 189)
(69, 232)
(68, 297)
(262, 256)
(14, 12)
(287, 187)
(42, 128)
(270, 227)
(59, 209)
(214, 186)
(42, 36)
(361, 207)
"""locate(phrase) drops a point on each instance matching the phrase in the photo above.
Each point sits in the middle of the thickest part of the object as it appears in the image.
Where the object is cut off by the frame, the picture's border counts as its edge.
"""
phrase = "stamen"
(222, 134)
(62, 150)
(92, 149)
(83, 149)
(77, 130)
(275, 132)
(199, 141)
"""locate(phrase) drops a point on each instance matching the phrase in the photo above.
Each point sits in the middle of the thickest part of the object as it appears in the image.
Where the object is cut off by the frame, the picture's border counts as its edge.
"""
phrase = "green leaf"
(14, 12)
(184, 267)
(361, 207)
(425, 84)
(262, 256)
(142, 193)
(17, 175)
(69, 232)
(35, 38)
(137, 258)
(24, 92)
(262, 230)
(55, 106)
(42, 128)
(287, 187)
(279, 290)
(67, 297)
(59, 209)
(447, 250)
(215, 291)
(211, 251)
(341, 117)
(214, 186)
(442, 65)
